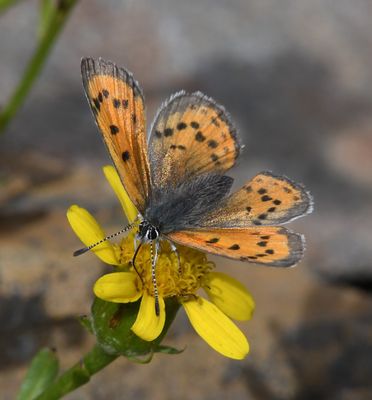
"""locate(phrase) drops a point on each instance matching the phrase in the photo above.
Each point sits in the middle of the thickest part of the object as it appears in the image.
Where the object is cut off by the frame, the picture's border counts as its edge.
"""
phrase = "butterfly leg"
(175, 251)
(154, 258)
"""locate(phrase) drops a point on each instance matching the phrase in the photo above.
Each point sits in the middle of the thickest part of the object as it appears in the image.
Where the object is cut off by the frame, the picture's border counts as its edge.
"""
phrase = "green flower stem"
(57, 19)
(78, 375)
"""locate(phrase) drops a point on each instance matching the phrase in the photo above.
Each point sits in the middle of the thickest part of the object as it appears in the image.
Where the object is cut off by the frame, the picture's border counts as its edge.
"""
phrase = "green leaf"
(168, 350)
(111, 323)
(42, 372)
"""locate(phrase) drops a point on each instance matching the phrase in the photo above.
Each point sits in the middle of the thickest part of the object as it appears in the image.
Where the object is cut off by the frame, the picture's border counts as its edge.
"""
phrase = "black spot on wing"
(234, 247)
(212, 240)
(181, 126)
(114, 129)
(199, 137)
(125, 155)
(266, 198)
(168, 132)
(212, 144)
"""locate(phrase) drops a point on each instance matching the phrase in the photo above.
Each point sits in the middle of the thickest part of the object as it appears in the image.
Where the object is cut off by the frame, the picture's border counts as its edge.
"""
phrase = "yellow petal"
(114, 180)
(118, 287)
(148, 325)
(216, 328)
(230, 296)
(89, 232)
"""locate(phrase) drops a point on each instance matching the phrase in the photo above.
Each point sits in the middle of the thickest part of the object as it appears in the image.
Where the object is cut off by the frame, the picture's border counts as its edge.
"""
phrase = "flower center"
(172, 279)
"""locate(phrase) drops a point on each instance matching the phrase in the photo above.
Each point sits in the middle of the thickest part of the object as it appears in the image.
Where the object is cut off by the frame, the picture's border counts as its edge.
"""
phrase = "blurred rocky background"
(297, 78)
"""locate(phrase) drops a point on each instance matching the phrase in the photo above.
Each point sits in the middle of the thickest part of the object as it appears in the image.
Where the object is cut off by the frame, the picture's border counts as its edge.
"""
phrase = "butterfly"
(177, 180)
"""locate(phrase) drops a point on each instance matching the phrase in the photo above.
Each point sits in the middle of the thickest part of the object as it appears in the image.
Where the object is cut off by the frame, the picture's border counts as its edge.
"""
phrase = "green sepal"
(41, 373)
(142, 360)
(168, 350)
(159, 349)
(86, 322)
(111, 323)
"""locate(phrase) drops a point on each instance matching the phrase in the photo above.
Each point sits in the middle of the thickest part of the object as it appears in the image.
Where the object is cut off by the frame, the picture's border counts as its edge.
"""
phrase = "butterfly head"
(147, 232)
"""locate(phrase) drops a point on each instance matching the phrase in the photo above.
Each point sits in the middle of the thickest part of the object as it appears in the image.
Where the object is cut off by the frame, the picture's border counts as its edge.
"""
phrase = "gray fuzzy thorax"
(182, 207)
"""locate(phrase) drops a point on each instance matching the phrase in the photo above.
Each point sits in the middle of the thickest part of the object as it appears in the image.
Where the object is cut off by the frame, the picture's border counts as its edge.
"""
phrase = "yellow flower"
(210, 318)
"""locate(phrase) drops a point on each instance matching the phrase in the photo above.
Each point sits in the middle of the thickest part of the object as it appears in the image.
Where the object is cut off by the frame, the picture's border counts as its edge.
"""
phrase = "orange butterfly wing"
(267, 199)
(191, 135)
(118, 107)
(272, 246)
(232, 230)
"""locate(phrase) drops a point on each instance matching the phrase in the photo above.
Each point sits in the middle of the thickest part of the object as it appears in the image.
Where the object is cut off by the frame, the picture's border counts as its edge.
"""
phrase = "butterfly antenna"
(153, 277)
(85, 249)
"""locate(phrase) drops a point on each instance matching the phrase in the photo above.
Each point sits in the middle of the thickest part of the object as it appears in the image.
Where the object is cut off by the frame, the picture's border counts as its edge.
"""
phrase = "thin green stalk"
(57, 20)
(46, 10)
(78, 375)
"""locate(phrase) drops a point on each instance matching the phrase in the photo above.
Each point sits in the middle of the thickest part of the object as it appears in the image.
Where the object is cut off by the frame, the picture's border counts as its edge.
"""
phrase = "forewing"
(265, 200)
(118, 107)
(272, 246)
(191, 135)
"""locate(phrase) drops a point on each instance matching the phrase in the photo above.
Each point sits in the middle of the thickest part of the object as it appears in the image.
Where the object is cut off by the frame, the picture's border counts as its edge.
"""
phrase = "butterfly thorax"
(184, 205)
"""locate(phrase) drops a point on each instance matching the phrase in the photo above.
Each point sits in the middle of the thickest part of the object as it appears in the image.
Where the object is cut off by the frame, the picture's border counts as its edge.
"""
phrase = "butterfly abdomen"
(183, 206)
